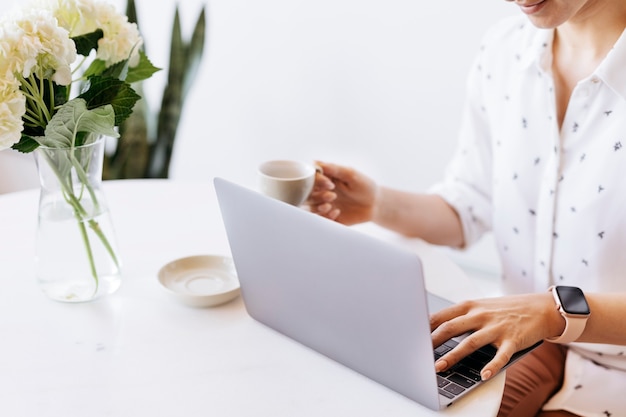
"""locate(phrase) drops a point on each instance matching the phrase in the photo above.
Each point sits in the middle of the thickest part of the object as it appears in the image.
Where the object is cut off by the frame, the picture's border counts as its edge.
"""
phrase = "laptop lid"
(354, 298)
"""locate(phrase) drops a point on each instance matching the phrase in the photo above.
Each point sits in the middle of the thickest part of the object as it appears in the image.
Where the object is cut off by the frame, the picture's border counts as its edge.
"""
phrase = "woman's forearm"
(426, 216)
(607, 322)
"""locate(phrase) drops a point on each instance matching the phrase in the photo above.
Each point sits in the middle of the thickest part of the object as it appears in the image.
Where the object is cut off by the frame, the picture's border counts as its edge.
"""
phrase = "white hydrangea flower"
(12, 108)
(68, 15)
(57, 51)
(18, 52)
(6, 59)
(36, 44)
(121, 39)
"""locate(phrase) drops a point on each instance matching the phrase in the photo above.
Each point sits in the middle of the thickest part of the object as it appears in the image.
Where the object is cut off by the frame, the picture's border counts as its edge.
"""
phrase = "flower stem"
(80, 213)
(92, 264)
(36, 103)
(82, 176)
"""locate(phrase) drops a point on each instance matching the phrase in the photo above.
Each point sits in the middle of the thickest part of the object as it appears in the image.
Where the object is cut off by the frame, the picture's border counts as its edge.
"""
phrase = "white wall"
(374, 84)
(369, 83)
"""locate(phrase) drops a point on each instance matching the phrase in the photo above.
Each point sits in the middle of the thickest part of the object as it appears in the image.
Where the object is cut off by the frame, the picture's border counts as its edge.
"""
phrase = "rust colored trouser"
(532, 380)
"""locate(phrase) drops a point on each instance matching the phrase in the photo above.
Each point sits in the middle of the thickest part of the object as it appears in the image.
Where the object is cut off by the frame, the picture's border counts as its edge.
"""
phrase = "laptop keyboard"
(465, 373)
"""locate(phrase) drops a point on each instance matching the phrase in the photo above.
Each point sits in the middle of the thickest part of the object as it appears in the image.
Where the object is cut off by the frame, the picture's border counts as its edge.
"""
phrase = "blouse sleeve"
(467, 183)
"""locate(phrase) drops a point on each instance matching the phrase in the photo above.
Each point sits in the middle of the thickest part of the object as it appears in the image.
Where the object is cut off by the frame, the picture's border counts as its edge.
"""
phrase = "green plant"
(138, 155)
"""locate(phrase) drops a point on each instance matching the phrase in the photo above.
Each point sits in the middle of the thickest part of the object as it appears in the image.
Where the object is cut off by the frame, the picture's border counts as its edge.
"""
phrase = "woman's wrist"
(378, 205)
(555, 323)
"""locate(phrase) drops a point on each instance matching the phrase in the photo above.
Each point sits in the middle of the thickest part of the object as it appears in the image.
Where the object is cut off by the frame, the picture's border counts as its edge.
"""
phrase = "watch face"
(572, 300)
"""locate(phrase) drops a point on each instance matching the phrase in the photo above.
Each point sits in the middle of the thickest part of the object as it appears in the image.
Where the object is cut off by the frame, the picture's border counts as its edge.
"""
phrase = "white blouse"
(555, 200)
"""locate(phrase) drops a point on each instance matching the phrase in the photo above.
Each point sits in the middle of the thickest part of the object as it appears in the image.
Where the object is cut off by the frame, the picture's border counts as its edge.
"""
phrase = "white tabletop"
(140, 353)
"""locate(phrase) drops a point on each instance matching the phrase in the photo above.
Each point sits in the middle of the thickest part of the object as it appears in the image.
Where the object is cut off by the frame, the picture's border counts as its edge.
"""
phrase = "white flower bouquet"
(66, 68)
(39, 50)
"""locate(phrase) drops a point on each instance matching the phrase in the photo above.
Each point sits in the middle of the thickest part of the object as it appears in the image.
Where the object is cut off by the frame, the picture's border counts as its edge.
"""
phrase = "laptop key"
(471, 363)
(488, 350)
(442, 382)
(442, 349)
(461, 380)
(469, 373)
(446, 394)
(453, 388)
(480, 357)
(451, 343)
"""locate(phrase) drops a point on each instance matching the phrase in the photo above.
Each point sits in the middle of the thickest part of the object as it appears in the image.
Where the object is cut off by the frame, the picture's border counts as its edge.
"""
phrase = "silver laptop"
(354, 298)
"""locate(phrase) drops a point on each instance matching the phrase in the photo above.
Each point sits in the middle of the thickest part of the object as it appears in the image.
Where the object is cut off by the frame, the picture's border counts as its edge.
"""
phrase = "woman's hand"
(509, 323)
(343, 194)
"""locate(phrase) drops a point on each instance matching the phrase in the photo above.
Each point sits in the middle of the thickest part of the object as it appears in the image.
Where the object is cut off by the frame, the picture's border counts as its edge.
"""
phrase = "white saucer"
(201, 281)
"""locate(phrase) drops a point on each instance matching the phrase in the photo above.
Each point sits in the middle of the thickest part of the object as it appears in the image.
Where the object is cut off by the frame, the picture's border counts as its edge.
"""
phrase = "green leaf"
(111, 91)
(119, 70)
(85, 43)
(61, 94)
(131, 12)
(26, 144)
(177, 53)
(96, 67)
(74, 117)
(144, 70)
(194, 52)
(84, 137)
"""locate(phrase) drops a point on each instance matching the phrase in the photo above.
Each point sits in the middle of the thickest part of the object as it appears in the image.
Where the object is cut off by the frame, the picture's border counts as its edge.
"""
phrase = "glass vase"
(76, 254)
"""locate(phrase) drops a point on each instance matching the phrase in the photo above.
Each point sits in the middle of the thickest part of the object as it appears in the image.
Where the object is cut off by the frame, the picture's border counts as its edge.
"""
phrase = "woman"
(541, 164)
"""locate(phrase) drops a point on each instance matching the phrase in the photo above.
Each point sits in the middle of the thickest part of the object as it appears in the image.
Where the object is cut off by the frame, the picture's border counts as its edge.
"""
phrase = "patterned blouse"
(555, 200)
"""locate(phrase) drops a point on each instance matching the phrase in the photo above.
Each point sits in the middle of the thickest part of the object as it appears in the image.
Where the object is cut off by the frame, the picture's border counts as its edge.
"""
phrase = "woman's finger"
(450, 322)
(503, 356)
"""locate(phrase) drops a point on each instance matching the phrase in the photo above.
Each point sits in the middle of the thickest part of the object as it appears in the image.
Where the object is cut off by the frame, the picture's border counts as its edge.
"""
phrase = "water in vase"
(76, 260)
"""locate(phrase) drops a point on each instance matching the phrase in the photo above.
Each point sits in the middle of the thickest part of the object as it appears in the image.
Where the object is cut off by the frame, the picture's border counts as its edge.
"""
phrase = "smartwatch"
(571, 303)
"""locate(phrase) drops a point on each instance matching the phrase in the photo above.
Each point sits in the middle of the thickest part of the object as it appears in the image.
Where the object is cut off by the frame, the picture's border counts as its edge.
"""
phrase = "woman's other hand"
(509, 323)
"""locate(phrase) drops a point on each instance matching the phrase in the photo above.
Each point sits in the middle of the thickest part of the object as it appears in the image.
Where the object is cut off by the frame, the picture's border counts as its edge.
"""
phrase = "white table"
(140, 353)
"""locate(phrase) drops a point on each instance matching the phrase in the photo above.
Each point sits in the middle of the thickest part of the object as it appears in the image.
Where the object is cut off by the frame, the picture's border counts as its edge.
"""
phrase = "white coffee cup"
(287, 180)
